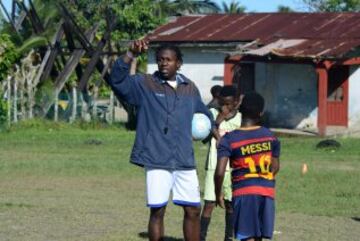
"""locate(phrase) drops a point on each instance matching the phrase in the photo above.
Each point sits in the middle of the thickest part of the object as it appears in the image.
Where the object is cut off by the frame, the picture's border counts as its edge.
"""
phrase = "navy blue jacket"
(163, 134)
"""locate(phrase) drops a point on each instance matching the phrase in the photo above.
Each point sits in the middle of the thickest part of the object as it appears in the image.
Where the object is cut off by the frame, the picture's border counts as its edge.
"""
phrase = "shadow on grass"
(357, 219)
(145, 235)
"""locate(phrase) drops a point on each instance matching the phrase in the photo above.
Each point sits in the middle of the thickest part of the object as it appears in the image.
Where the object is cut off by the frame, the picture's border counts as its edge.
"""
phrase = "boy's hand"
(225, 114)
(220, 201)
(225, 111)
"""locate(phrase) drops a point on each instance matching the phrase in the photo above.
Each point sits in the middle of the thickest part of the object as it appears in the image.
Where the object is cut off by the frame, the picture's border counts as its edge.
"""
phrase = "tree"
(332, 5)
(164, 8)
(185, 7)
(233, 7)
(8, 55)
(284, 9)
(207, 7)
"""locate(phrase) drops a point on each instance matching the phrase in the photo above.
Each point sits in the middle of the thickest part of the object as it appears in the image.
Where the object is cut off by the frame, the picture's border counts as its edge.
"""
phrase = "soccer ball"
(201, 126)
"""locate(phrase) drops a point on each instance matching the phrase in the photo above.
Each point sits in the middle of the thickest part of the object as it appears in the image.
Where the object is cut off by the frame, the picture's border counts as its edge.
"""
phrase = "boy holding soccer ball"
(254, 153)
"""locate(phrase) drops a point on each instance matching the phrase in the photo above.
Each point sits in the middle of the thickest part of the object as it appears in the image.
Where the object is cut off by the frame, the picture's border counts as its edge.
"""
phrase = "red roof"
(324, 34)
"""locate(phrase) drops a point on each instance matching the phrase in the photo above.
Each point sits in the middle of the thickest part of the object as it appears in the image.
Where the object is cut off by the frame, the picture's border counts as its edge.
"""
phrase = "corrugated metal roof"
(323, 34)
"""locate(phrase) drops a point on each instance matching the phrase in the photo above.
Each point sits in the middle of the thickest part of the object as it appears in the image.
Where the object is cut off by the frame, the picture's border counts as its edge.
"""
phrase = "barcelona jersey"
(250, 152)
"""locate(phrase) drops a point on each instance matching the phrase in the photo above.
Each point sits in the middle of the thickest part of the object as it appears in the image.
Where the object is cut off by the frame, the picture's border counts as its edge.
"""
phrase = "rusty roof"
(323, 34)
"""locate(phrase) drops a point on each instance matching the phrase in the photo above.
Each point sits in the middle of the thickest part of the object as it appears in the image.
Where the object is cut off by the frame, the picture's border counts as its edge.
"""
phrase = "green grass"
(74, 182)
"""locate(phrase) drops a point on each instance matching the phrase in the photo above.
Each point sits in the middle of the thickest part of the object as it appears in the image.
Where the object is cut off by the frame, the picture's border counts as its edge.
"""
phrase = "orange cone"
(304, 169)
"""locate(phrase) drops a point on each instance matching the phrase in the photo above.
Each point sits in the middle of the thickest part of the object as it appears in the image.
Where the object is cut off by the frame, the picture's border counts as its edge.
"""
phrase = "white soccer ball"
(201, 126)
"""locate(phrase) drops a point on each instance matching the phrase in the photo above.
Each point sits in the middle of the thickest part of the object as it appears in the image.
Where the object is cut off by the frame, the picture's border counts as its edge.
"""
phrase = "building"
(306, 65)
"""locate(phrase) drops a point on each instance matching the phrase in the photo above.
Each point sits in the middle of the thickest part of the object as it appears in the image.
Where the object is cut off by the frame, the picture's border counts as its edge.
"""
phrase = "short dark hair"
(252, 105)
(171, 47)
(215, 90)
(228, 90)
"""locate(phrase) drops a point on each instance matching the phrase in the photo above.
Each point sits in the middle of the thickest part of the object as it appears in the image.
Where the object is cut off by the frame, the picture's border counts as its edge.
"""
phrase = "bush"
(3, 111)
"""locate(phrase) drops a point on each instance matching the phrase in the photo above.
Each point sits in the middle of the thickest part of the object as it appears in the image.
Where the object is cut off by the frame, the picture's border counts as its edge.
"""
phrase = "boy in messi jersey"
(228, 119)
(254, 153)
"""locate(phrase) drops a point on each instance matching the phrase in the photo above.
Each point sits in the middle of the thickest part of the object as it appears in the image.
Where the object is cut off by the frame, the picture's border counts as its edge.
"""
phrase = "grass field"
(61, 182)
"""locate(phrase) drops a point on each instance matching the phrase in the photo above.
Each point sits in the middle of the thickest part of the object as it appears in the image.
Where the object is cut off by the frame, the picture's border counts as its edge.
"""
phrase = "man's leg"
(156, 224)
(186, 193)
(191, 225)
(158, 186)
(206, 218)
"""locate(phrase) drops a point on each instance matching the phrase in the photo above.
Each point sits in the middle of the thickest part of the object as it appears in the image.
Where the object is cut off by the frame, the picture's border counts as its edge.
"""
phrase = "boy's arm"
(275, 159)
(275, 165)
(219, 178)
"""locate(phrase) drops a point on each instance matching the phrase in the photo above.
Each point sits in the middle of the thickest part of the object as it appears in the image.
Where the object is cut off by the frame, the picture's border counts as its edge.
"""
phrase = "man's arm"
(136, 47)
(126, 86)
(219, 178)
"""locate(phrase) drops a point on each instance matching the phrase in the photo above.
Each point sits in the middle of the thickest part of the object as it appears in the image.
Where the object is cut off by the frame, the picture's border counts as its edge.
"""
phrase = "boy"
(254, 158)
(228, 119)
(215, 93)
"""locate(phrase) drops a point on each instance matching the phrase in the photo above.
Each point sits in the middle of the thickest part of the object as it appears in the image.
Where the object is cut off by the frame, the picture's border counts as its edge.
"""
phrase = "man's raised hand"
(139, 46)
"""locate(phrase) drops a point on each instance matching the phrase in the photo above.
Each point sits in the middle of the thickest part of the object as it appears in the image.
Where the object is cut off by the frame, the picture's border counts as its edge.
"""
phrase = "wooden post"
(84, 108)
(56, 105)
(15, 101)
(74, 106)
(94, 103)
(228, 71)
(322, 98)
(111, 108)
(73, 61)
(50, 60)
(11, 20)
(9, 100)
(22, 105)
(29, 95)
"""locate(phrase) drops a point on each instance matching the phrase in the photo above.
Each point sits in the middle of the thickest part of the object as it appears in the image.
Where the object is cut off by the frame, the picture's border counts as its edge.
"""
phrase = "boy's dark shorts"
(253, 217)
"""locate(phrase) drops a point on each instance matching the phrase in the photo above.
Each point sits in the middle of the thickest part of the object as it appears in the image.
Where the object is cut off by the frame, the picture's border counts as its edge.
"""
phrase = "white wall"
(203, 66)
(354, 98)
(290, 92)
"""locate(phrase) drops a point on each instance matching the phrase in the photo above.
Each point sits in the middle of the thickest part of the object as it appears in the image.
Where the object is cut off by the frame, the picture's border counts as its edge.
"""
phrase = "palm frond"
(32, 43)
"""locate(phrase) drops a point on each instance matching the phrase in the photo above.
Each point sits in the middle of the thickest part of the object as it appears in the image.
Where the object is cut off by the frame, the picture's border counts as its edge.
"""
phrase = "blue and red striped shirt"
(250, 151)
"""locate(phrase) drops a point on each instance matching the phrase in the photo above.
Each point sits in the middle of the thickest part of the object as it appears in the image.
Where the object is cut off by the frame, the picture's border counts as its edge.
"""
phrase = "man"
(166, 102)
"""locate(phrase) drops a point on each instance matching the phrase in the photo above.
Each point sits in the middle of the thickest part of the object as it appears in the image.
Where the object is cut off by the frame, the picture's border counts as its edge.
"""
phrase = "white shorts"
(183, 184)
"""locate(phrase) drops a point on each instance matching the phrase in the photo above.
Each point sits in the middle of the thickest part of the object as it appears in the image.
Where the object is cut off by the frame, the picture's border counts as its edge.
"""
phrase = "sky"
(251, 5)
(266, 5)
